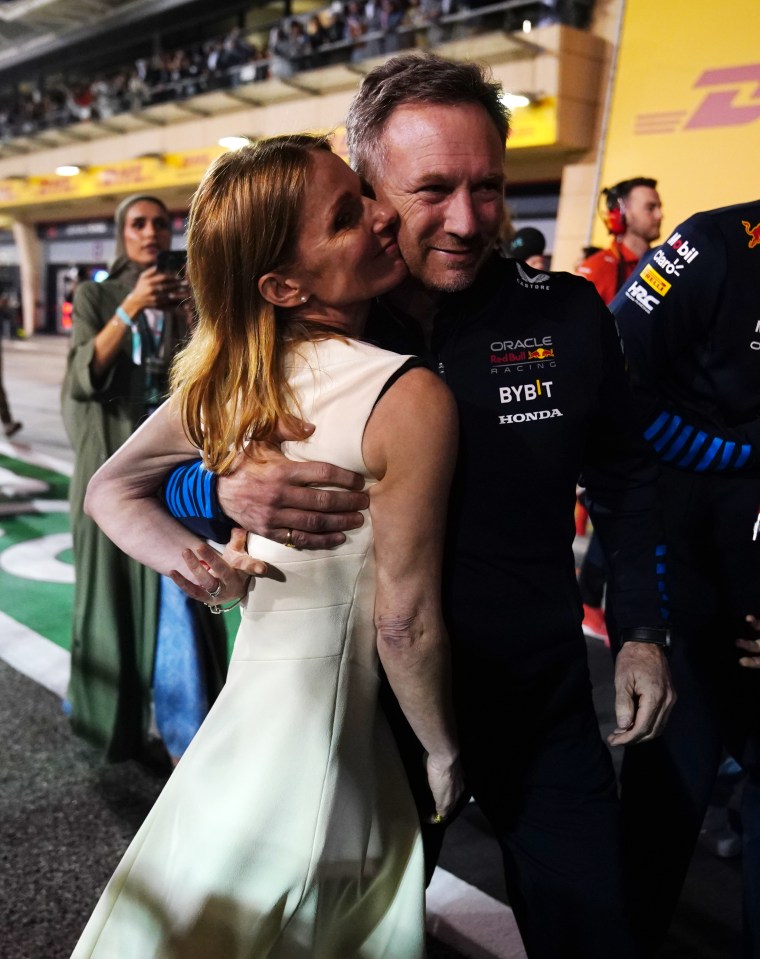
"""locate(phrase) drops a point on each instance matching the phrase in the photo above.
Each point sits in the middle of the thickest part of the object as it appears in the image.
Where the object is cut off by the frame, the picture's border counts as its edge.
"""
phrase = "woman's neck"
(349, 320)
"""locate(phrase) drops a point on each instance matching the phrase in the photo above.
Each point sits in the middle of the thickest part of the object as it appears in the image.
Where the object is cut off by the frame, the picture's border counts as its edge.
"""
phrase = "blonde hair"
(244, 220)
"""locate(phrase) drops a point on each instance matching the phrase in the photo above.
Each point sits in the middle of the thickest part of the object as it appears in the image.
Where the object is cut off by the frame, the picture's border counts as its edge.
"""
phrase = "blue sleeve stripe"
(189, 491)
(743, 456)
(679, 444)
(655, 427)
(171, 492)
(665, 437)
(709, 455)
(728, 452)
(207, 493)
(695, 447)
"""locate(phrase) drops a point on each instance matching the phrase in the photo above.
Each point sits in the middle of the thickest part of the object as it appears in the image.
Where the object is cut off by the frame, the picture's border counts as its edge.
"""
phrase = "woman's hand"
(229, 573)
(155, 291)
(446, 782)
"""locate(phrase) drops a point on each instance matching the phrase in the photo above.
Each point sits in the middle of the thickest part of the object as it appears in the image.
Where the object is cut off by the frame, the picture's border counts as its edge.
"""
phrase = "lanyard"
(142, 331)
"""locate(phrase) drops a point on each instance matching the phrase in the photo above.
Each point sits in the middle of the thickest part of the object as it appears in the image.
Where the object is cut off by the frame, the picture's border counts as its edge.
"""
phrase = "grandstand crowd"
(343, 32)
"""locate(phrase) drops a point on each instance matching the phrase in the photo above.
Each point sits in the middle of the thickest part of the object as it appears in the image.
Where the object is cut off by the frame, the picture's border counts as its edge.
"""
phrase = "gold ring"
(289, 541)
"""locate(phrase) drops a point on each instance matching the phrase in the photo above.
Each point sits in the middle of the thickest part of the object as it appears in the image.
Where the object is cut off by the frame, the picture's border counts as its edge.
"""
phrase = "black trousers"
(713, 581)
(543, 777)
(541, 774)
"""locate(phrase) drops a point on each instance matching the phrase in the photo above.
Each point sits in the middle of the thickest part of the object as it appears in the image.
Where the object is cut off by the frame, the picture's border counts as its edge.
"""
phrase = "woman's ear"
(280, 291)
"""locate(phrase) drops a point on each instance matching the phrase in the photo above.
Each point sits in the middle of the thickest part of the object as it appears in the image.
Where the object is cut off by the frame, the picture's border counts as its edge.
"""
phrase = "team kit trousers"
(713, 581)
(543, 777)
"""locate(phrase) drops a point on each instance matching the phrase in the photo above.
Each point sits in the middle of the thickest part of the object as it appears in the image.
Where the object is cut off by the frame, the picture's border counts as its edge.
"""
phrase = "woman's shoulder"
(92, 291)
(337, 350)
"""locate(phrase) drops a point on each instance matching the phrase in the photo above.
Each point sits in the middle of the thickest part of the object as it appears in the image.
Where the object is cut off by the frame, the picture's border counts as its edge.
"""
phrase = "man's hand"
(273, 496)
(751, 646)
(644, 694)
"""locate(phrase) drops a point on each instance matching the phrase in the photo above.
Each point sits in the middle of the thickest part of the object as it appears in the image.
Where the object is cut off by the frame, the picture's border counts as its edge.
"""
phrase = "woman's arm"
(410, 444)
(147, 292)
(120, 498)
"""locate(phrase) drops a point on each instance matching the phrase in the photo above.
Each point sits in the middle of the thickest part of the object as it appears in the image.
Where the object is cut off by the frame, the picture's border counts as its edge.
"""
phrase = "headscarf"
(121, 266)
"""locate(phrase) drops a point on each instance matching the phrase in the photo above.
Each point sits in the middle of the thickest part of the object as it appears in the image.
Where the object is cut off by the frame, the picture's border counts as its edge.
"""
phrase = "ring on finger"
(289, 541)
(213, 593)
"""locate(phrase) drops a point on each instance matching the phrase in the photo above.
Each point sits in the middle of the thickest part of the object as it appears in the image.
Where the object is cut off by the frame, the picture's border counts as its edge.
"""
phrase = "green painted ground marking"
(42, 606)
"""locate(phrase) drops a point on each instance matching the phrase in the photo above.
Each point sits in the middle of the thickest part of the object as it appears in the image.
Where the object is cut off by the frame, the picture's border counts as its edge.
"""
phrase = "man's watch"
(654, 635)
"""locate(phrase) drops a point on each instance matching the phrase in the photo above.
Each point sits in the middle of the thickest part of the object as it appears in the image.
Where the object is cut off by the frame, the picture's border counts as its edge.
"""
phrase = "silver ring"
(213, 593)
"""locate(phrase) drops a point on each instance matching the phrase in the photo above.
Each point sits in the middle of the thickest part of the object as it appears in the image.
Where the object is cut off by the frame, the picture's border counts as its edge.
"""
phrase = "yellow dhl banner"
(686, 105)
(534, 125)
(145, 173)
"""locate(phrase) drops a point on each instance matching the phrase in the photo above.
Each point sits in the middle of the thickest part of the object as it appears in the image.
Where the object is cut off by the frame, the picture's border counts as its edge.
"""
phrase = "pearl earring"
(303, 299)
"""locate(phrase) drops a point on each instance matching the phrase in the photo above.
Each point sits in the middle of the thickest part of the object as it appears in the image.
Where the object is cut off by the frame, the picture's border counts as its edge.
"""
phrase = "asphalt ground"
(65, 818)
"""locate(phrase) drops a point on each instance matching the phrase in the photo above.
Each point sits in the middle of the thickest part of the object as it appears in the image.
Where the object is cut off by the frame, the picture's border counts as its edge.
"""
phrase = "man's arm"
(620, 478)
(662, 314)
(268, 494)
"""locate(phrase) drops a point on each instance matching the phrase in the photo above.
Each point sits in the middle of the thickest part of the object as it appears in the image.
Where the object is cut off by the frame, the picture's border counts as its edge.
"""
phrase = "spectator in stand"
(390, 16)
(137, 92)
(355, 28)
(291, 49)
(235, 53)
(633, 216)
(316, 32)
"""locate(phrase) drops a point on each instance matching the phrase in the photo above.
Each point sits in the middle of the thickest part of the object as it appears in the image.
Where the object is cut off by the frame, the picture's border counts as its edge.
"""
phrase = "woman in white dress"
(288, 829)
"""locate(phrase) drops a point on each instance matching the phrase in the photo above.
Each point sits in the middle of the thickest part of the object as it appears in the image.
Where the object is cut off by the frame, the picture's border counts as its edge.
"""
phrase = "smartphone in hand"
(172, 261)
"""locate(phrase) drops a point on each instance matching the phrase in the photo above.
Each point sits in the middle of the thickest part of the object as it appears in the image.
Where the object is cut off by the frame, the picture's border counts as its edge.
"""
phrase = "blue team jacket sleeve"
(620, 476)
(685, 366)
(189, 494)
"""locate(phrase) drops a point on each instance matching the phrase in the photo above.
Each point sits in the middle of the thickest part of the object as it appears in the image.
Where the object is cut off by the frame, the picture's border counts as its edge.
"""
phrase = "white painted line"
(467, 919)
(27, 455)
(37, 559)
(34, 656)
(38, 506)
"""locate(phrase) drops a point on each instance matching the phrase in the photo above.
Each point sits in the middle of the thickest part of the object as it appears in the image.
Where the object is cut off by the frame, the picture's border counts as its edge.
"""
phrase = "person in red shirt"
(633, 217)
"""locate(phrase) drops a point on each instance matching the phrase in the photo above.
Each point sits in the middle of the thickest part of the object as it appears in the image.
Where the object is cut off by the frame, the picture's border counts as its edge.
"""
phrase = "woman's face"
(347, 251)
(146, 232)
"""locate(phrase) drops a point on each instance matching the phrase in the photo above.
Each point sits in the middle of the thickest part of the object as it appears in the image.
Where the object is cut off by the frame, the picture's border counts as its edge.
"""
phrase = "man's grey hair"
(411, 79)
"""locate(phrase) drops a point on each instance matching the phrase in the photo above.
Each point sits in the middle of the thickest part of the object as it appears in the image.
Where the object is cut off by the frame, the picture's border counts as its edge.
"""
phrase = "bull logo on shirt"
(753, 232)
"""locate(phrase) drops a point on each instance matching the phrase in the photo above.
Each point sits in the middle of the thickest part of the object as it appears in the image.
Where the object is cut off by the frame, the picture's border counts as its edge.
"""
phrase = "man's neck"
(417, 302)
(635, 243)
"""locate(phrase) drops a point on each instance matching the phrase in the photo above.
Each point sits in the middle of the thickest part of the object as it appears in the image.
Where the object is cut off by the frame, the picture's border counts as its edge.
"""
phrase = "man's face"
(643, 213)
(442, 170)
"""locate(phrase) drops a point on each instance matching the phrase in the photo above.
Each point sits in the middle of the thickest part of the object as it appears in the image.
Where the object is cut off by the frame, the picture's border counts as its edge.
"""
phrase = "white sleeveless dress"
(288, 829)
